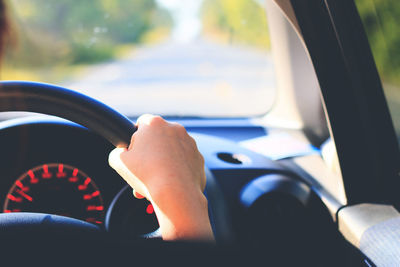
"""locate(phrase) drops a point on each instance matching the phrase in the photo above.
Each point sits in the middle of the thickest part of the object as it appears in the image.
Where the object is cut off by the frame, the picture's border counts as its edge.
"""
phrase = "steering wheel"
(99, 118)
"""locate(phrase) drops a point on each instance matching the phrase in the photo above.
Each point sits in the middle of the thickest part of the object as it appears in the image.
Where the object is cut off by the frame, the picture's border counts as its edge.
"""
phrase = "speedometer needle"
(23, 194)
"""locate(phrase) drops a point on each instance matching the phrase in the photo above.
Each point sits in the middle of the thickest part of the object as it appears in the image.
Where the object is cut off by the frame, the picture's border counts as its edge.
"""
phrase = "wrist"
(182, 213)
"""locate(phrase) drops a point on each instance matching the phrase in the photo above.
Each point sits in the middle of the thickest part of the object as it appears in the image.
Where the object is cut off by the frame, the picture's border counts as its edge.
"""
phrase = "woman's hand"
(164, 165)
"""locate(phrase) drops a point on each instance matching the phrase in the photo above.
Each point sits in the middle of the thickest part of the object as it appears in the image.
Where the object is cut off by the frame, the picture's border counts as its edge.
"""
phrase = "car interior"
(313, 181)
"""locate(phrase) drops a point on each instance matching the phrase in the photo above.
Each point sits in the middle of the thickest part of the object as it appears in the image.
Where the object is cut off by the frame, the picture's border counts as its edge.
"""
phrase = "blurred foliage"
(65, 32)
(241, 21)
(381, 19)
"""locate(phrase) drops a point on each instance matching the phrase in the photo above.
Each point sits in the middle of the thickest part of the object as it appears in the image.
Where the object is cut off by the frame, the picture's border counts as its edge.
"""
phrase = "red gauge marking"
(92, 195)
(30, 184)
(15, 199)
(93, 220)
(14, 210)
(33, 180)
(94, 207)
(73, 179)
(61, 173)
(21, 186)
(27, 197)
(82, 187)
(85, 184)
(150, 209)
(46, 174)
(87, 181)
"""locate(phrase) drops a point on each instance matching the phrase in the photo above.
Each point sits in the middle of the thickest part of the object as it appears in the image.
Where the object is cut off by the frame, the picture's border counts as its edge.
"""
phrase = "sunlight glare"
(185, 13)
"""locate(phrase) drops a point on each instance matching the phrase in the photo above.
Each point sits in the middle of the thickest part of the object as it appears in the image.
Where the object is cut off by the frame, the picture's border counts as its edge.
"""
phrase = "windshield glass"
(207, 58)
(381, 21)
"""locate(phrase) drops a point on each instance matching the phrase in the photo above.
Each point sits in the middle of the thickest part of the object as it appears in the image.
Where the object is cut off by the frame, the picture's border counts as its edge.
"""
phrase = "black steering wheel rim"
(61, 102)
(58, 101)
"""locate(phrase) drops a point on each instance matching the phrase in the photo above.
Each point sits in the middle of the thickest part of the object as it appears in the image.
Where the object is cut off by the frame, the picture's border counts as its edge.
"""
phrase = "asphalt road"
(197, 79)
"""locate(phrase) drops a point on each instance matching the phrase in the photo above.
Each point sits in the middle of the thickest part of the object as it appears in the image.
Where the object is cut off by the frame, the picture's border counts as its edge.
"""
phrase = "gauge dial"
(56, 188)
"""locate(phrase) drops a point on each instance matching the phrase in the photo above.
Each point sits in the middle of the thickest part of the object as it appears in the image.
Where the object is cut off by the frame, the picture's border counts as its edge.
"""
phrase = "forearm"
(183, 215)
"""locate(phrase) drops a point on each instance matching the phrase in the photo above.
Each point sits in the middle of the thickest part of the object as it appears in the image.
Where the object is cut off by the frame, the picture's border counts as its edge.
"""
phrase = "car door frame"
(352, 95)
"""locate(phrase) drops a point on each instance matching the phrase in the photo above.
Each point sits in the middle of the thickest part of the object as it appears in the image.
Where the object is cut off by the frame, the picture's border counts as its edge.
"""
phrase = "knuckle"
(156, 121)
(143, 119)
(149, 119)
(157, 118)
(178, 129)
(192, 142)
(191, 139)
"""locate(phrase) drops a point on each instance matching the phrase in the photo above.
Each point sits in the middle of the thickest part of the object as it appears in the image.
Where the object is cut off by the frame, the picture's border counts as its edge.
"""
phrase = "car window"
(381, 19)
(207, 58)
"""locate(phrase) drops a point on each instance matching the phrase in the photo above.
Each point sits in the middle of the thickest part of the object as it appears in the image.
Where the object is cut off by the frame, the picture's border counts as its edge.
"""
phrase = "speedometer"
(56, 188)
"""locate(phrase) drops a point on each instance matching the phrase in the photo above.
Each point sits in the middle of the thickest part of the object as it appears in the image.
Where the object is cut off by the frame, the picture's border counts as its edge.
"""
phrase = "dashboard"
(57, 167)
(54, 166)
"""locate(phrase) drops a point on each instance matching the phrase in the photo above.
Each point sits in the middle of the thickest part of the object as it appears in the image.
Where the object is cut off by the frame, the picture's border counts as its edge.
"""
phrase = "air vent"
(233, 158)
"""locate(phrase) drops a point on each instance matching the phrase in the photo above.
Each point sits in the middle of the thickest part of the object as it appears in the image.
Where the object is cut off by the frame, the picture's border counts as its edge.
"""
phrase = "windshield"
(381, 21)
(207, 58)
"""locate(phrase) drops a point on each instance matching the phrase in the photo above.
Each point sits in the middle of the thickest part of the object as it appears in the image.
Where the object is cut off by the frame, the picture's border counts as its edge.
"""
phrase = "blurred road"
(197, 79)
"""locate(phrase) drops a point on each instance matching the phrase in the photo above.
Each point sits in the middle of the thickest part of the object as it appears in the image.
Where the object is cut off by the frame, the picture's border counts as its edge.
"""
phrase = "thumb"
(116, 162)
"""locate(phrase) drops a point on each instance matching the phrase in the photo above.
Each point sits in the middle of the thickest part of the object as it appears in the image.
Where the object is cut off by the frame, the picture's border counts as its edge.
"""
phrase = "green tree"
(84, 31)
(381, 19)
(242, 21)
